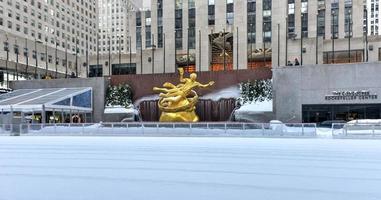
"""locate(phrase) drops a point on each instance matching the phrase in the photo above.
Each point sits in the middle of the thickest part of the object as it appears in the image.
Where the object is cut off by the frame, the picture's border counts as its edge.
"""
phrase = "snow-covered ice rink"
(148, 168)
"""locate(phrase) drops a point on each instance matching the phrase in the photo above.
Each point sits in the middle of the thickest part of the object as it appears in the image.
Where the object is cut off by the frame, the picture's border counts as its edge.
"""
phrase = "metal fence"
(356, 130)
(164, 129)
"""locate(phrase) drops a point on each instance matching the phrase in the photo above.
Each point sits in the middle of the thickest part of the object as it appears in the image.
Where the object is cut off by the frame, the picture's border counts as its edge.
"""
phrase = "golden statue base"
(179, 117)
(178, 102)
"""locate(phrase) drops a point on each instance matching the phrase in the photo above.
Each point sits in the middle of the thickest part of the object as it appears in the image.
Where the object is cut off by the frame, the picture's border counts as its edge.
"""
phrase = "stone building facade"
(49, 31)
(243, 34)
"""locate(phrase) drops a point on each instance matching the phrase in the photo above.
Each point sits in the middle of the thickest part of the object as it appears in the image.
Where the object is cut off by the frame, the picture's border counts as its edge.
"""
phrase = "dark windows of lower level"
(124, 68)
(95, 71)
(340, 113)
(345, 56)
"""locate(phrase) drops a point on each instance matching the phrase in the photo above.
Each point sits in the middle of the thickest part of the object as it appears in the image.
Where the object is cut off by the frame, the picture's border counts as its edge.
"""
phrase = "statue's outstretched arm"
(206, 85)
(157, 89)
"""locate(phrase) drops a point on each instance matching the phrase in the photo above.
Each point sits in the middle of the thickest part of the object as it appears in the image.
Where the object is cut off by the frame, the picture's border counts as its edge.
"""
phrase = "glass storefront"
(340, 113)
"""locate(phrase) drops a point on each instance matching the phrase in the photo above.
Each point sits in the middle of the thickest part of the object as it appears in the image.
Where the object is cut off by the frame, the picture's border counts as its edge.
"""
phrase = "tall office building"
(46, 37)
(216, 35)
(114, 25)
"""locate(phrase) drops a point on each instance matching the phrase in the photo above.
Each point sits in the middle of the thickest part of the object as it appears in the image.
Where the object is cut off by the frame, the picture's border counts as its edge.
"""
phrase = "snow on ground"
(147, 168)
(264, 106)
(120, 109)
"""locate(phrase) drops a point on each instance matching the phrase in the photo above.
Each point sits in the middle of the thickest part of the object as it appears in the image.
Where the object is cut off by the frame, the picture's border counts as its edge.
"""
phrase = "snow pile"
(120, 110)
(227, 93)
(265, 106)
(365, 121)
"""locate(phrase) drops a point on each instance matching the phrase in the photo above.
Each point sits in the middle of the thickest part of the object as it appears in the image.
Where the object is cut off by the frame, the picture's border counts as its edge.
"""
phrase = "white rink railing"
(164, 129)
(356, 130)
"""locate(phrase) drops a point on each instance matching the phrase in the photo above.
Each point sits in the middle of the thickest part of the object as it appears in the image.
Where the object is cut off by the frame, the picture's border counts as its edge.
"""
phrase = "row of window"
(40, 55)
(57, 28)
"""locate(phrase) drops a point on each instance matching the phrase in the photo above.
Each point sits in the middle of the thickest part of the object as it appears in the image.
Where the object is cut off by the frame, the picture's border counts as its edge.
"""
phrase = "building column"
(169, 30)
(342, 19)
(240, 21)
(279, 14)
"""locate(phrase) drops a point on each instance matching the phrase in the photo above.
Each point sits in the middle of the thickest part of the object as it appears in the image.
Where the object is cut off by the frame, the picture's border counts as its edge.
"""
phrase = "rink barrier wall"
(356, 130)
(163, 129)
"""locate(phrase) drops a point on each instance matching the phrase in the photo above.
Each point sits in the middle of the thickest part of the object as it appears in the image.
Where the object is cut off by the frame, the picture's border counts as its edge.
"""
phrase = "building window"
(179, 24)
(122, 69)
(251, 21)
(343, 56)
(138, 19)
(160, 34)
(138, 30)
(343, 112)
(211, 12)
(321, 18)
(9, 24)
(229, 12)
(334, 18)
(348, 18)
(94, 70)
(267, 5)
(304, 21)
(191, 24)
(148, 29)
(291, 17)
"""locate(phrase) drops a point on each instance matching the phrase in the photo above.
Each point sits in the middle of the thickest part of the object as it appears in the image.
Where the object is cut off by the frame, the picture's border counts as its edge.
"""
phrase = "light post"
(278, 44)
(76, 57)
(251, 46)
(199, 50)
(175, 50)
(66, 68)
(46, 59)
(237, 49)
(301, 39)
(153, 46)
(87, 56)
(366, 34)
(224, 50)
(333, 35)
(188, 47)
(286, 46)
(349, 35)
(317, 39)
(120, 54)
(6, 48)
(109, 56)
(36, 73)
(141, 53)
(264, 43)
(164, 53)
(129, 49)
(56, 61)
(26, 55)
(16, 48)
(96, 72)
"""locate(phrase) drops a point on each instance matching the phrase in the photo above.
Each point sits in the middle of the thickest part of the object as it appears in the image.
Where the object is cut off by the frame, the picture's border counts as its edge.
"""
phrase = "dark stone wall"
(207, 110)
(142, 84)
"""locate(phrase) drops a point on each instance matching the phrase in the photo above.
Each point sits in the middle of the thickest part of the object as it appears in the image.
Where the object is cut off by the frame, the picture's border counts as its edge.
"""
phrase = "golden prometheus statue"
(177, 103)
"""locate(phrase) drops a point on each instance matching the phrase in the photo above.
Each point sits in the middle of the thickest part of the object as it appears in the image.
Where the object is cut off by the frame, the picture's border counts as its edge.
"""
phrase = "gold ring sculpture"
(177, 103)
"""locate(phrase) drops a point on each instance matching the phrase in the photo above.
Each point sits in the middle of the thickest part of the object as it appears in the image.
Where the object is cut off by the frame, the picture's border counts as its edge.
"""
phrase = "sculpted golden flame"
(178, 102)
